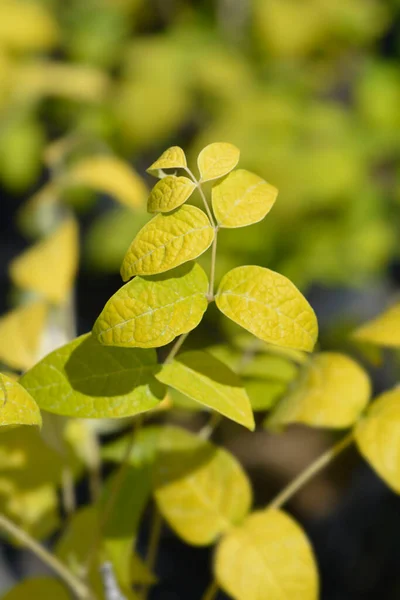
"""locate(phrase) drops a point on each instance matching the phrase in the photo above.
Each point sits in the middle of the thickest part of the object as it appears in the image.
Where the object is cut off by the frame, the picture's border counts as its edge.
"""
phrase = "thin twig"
(68, 491)
(206, 432)
(203, 197)
(155, 535)
(213, 263)
(211, 592)
(175, 348)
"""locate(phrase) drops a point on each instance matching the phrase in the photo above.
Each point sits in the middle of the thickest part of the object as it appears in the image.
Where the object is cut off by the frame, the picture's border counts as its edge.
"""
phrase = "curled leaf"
(173, 158)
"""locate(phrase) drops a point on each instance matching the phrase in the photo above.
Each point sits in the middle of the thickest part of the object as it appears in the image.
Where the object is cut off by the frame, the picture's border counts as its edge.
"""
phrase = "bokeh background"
(309, 90)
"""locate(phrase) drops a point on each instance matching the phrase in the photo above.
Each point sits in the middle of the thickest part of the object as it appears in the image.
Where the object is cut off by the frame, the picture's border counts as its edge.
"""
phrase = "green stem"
(213, 263)
(176, 347)
(206, 432)
(309, 472)
(68, 491)
(202, 195)
(155, 536)
(211, 592)
(76, 585)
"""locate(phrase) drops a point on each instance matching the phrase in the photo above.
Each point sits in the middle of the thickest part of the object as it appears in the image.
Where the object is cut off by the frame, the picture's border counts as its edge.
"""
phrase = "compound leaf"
(268, 305)
(242, 198)
(85, 379)
(44, 588)
(17, 407)
(332, 391)
(173, 158)
(169, 193)
(150, 312)
(209, 381)
(378, 437)
(200, 489)
(168, 241)
(216, 160)
(268, 556)
(383, 330)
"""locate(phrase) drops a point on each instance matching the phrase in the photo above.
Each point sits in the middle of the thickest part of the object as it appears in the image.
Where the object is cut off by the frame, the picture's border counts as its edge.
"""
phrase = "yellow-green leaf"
(200, 489)
(43, 588)
(332, 391)
(382, 331)
(264, 394)
(216, 160)
(173, 158)
(17, 407)
(168, 241)
(169, 193)
(112, 176)
(143, 450)
(269, 556)
(207, 380)
(85, 379)
(268, 305)
(48, 268)
(378, 437)
(242, 198)
(20, 335)
(150, 312)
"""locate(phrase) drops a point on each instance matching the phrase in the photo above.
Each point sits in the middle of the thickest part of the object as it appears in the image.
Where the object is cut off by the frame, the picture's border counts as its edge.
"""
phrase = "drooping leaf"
(168, 241)
(17, 407)
(86, 379)
(150, 312)
(20, 335)
(173, 158)
(268, 305)
(207, 380)
(384, 330)
(200, 489)
(242, 198)
(112, 176)
(378, 437)
(44, 588)
(216, 160)
(332, 392)
(268, 556)
(169, 193)
(48, 268)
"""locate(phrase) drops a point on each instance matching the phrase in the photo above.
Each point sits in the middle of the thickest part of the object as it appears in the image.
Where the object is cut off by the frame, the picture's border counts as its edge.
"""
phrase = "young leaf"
(270, 557)
(112, 176)
(268, 305)
(200, 489)
(169, 193)
(88, 380)
(168, 241)
(150, 312)
(216, 160)
(17, 407)
(332, 392)
(382, 331)
(20, 335)
(173, 158)
(48, 268)
(378, 437)
(242, 198)
(207, 380)
(44, 588)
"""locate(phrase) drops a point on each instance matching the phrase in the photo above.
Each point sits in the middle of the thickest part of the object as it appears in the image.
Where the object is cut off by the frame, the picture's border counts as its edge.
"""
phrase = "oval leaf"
(86, 379)
(332, 392)
(151, 312)
(242, 198)
(173, 158)
(209, 381)
(17, 407)
(200, 489)
(168, 241)
(270, 557)
(382, 331)
(44, 588)
(169, 193)
(378, 437)
(216, 160)
(48, 268)
(268, 305)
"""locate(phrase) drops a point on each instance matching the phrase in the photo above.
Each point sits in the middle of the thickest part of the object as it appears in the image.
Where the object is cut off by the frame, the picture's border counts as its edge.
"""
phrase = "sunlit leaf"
(150, 312)
(48, 268)
(82, 439)
(169, 193)
(207, 380)
(242, 198)
(332, 391)
(168, 241)
(35, 509)
(200, 489)
(216, 160)
(17, 407)
(20, 335)
(86, 379)
(383, 331)
(173, 158)
(44, 588)
(270, 557)
(268, 305)
(378, 437)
